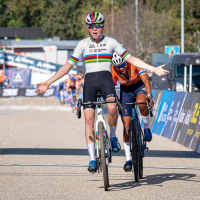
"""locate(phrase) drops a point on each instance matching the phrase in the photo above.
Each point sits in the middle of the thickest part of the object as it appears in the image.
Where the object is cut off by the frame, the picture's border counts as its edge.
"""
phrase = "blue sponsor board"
(163, 111)
(192, 137)
(19, 77)
(2, 57)
(26, 62)
(157, 100)
(173, 114)
(198, 148)
(183, 131)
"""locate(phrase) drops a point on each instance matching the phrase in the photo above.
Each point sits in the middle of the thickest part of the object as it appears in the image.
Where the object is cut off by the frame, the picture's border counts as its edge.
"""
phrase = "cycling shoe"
(115, 144)
(147, 135)
(128, 166)
(92, 166)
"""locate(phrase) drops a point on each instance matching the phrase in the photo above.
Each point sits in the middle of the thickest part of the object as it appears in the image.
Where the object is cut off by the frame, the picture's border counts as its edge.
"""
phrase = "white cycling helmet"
(94, 18)
(117, 60)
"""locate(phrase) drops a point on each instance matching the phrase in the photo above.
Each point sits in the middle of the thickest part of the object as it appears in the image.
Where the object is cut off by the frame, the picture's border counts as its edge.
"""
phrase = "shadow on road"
(156, 179)
(84, 152)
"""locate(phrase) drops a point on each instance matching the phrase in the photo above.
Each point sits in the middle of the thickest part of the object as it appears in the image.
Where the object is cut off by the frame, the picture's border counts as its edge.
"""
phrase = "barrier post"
(185, 78)
(190, 79)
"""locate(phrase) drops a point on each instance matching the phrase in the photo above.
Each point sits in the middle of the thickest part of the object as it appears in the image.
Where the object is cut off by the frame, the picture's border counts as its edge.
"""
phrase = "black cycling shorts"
(127, 95)
(98, 82)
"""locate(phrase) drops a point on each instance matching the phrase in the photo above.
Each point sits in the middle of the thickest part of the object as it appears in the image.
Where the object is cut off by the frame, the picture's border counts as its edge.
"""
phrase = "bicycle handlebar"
(134, 103)
(80, 103)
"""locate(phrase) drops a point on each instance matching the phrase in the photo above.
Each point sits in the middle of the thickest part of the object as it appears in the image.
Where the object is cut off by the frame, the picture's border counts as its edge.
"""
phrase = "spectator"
(1, 45)
(6, 82)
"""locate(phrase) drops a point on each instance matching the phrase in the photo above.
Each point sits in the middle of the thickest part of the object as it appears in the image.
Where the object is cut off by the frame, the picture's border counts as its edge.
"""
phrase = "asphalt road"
(39, 138)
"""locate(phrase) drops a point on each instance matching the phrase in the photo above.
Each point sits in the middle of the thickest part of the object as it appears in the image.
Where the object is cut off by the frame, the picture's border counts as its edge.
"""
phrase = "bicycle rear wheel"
(134, 150)
(103, 157)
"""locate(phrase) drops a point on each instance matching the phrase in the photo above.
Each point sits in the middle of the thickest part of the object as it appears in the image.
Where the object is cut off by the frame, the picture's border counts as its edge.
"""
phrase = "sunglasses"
(91, 26)
(120, 66)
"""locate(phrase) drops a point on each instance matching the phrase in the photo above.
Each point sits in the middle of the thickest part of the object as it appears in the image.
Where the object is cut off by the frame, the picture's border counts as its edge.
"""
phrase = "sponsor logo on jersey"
(91, 50)
(95, 50)
(100, 45)
(91, 46)
(104, 45)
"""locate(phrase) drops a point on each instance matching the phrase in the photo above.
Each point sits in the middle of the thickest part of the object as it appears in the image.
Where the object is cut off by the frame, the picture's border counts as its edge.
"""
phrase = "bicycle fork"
(105, 135)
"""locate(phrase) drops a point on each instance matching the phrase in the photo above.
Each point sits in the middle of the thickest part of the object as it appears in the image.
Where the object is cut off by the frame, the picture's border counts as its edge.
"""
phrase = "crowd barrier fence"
(177, 117)
(24, 92)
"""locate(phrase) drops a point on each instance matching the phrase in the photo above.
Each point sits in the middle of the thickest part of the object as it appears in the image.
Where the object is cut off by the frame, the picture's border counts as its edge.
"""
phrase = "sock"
(127, 150)
(146, 121)
(112, 131)
(91, 151)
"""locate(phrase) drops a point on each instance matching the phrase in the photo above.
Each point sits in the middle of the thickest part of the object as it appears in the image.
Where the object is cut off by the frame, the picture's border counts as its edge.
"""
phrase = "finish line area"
(43, 155)
(71, 165)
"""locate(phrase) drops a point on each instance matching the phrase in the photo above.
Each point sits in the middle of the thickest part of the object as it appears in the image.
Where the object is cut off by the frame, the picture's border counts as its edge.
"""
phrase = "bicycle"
(137, 143)
(62, 98)
(103, 146)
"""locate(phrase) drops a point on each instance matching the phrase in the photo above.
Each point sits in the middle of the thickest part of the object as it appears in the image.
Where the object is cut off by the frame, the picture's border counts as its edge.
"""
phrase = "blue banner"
(2, 57)
(193, 132)
(26, 62)
(31, 63)
(173, 114)
(184, 134)
(163, 111)
(19, 77)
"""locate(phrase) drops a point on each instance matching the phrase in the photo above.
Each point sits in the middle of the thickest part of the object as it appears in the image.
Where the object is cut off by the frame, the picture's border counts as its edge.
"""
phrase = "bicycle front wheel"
(134, 150)
(103, 157)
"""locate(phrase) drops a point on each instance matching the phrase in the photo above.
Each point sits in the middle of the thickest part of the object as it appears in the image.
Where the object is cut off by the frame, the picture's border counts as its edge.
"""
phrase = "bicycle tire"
(141, 167)
(103, 158)
(134, 150)
(72, 105)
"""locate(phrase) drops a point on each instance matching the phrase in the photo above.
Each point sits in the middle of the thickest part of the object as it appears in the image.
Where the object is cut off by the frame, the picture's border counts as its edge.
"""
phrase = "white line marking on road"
(20, 107)
(2, 107)
(76, 165)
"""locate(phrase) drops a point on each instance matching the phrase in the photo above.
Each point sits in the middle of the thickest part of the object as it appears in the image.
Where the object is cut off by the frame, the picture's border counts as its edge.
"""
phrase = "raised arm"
(60, 73)
(140, 64)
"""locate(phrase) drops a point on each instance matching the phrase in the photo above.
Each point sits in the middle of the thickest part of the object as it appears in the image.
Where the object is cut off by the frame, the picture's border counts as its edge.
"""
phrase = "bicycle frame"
(135, 117)
(105, 133)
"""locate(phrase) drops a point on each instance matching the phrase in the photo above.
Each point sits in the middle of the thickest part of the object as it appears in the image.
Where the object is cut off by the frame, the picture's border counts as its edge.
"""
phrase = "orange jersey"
(71, 84)
(134, 75)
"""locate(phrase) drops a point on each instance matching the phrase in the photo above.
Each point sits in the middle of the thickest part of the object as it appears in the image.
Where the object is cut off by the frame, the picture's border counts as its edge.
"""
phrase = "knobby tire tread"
(103, 158)
(135, 153)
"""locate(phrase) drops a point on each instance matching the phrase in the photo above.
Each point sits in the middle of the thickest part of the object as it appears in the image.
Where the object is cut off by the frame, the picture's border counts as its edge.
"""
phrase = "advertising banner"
(19, 77)
(192, 137)
(2, 57)
(195, 143)
(181, 116)
(157, 99)
(161, 118)
(198, 148)
(185, 126)
(173, 114)
(25, 92)
(26, 62)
